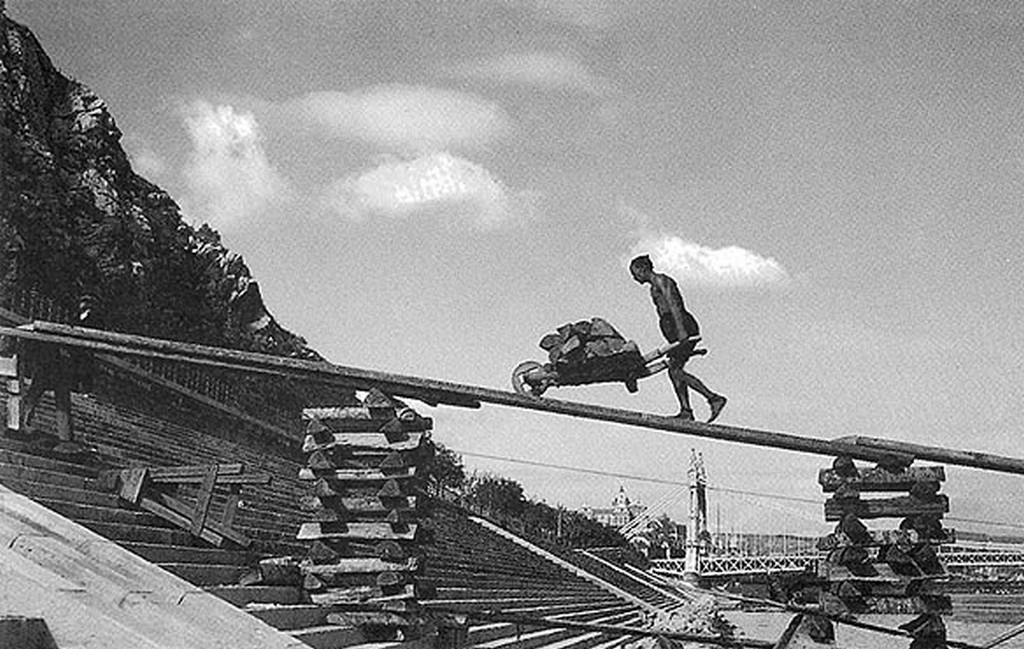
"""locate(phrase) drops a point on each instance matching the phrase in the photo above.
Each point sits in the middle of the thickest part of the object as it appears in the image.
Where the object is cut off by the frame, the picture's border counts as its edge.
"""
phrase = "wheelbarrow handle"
(665, 349)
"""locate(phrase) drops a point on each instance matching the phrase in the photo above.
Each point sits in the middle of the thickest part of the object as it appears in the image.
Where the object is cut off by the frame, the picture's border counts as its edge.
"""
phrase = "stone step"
(470, 592)
(332, 637)
(580, 611)
(493, 631)
(46, 476)
(264, 542)
(447, 572)
(157, 553)
(89, 512)
(584, 640)
(39, 490)
(290, 616)
(207, 574)
(242, 596)
(140, 533)
(612, 643)
(511, 602)
(528, 640)
(29, 459)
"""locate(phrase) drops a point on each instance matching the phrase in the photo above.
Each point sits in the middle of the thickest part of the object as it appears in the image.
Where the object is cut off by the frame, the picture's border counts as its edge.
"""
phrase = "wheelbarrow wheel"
(519, 379)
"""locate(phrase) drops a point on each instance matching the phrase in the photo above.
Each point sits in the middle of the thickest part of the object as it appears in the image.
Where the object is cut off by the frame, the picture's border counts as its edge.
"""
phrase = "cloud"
(589, 15)
(694, 265)
(437, 183)
(544, 70)
(406, 118)
(144, 160)
(229, 177)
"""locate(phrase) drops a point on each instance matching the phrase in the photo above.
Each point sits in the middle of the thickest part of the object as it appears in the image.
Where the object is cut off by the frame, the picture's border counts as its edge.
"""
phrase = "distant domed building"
(621, 512)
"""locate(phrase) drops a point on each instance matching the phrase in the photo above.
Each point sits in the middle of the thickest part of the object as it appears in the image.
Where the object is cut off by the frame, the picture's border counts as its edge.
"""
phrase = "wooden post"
(62, 398)
(203, 500)
(9, 373)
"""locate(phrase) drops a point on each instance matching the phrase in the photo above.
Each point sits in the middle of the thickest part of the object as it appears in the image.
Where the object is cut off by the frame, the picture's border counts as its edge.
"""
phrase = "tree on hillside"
(495, 494)
(446, 469)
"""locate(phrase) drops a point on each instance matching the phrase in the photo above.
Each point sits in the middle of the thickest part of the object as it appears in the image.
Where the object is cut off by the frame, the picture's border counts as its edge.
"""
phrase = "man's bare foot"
(684, 414)
(716, 403)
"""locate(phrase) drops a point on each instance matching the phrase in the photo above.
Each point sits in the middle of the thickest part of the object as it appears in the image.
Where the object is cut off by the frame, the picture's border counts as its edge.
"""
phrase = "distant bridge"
(736, 565)
(727, 565)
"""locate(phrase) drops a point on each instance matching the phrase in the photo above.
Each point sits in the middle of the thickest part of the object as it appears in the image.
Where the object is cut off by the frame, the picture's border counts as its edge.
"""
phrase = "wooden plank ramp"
(434, 392)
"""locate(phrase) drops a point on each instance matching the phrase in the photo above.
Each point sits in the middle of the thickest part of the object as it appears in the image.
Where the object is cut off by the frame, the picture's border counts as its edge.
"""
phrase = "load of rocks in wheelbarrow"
(591, 351)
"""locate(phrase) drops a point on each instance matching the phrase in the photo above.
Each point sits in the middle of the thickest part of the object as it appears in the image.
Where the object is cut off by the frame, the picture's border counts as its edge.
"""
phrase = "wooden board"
(213, 531)
(379, 425)
(358, 504)
(364, 618)
(385, 580)
(358, 475)
(346, 412)
(878, 479)
(341, 458)
(901, 506)
(875, 571)
(372, 531)
(362, 594)
(367, 441)
(363, 565)
(885, 537)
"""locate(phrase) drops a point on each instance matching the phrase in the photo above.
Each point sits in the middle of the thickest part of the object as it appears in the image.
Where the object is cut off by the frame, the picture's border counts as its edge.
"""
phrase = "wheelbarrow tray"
(622, 367)
(626, 366)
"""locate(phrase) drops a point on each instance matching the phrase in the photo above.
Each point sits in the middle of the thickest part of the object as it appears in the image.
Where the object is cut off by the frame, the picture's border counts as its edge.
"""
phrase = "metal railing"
(952, 556)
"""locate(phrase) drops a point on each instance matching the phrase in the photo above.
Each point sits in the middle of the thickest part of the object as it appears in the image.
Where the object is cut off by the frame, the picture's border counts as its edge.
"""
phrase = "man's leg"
(697, 385)
(678, 375)
(715, 401)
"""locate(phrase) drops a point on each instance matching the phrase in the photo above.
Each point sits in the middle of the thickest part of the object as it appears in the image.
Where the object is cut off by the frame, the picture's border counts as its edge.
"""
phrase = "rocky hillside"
(84, 236)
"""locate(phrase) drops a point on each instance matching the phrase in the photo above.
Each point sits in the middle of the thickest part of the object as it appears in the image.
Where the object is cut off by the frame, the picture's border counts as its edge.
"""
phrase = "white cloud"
(550, 71)
(588, 15)
(229, 177)
(406, 118)
(143, 158)
(694, 265)
(437, 183)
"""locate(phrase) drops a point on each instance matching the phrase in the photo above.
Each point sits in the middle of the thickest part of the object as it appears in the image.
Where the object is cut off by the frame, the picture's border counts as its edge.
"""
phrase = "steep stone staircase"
(469, 566)
(473, 568)
(622, 573)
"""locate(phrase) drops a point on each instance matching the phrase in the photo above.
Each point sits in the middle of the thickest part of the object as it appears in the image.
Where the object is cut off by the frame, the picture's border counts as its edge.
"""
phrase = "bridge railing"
(724, 565)
(982, 555)
(955, 556)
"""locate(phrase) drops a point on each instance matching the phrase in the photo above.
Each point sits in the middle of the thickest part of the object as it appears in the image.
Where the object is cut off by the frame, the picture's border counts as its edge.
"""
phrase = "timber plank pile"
(894, 570)
(385, 558)
(365, 513)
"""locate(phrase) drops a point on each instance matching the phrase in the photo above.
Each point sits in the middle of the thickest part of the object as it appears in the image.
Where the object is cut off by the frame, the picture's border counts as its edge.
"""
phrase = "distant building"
(621, 512)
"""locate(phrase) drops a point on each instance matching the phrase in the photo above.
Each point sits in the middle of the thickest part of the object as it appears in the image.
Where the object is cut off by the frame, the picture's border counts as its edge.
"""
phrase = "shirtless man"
(676, 324)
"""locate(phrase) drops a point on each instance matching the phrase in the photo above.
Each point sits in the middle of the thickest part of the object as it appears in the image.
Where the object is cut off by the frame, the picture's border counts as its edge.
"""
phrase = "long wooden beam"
(434, 391)
(10, 317)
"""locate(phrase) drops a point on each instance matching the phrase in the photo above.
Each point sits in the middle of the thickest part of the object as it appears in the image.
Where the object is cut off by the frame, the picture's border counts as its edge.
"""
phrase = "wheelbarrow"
(533, 379)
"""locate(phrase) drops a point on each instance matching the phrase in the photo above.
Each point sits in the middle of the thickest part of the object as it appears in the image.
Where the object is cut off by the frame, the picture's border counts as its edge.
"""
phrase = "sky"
(428, 188)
